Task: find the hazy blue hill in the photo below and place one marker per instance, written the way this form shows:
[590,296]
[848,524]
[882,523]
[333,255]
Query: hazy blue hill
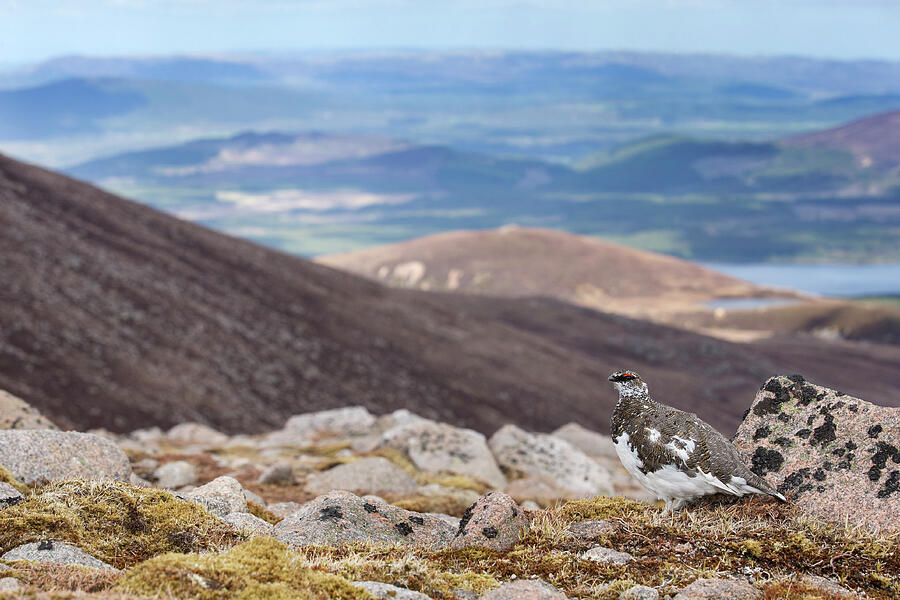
[176,68]
[62,107]
[758,91]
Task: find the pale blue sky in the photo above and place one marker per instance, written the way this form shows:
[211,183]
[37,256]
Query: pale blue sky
[32,30]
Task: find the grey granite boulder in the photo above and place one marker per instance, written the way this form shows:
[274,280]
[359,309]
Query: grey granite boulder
[494,521]
[34,456]
[386,591]
[284,509]
[375,475]
[545,455]
[607,555]
[534,589]
[225,488]
[338,422]
[175,474]
[213,505]
[249,524]
[197,433]
[9,495]
[438,447]
[60,553]
[15,413]
[595,445]
[833,455]
[719,589]
[342,517]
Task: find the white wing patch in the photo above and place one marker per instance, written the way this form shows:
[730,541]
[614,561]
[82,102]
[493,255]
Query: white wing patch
[681,447]
[653,434]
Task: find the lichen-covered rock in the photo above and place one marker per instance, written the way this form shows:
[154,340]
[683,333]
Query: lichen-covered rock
[342,517]
[339,422]
[197,433]
[278,474]
[227,488]
[15,413]
[595,445]
[833,455]
[494,521]
[375,475]
[827,586]
[639,592]
[9,585]
[249,524]
[438,447]
[539,454]
[607,555]
[534,589]
[284,509]
[33,456]
[719,589]
[175,474]
[251,496]
[386,591]
[9,496]
[59,553]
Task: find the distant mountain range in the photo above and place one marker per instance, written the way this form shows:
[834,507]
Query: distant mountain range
[116,315]
[825,196]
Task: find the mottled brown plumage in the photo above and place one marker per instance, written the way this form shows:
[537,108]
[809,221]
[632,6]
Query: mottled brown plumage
[673,453]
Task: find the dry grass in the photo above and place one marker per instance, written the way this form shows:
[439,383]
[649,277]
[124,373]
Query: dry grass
[7,477]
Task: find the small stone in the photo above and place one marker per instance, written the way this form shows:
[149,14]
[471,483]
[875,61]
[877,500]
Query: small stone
[278,474]
[639,592]
[249,524]
[530,505]
[590,529]
[534,589]
[215,506]
[9,495]
[197,433]
[9,585]
[829,586]
[176,474]
[386,591]
[719,589]
[341,517]
[227,488]
[366,476]
[284,509]
[34,456]
[607,555]
[60,553]
[461,594]
[495,521]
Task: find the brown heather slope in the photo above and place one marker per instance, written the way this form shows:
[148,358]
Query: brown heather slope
[872,140]
[113,314]
[515,261]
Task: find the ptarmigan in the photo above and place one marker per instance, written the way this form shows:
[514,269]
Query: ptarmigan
[673,453]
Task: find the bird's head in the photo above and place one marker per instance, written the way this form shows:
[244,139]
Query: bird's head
[628,383]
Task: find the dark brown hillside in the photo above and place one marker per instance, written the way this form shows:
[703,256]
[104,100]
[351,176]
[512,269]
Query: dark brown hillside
[873,140]
[113,314]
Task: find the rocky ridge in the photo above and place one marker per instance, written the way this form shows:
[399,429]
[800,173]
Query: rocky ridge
[256,518]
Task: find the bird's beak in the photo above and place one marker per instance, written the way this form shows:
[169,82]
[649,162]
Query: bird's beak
[611,378]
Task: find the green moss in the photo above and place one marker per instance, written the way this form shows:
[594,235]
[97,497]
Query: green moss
[7,477]
[604,508]
[116,522]
[259,568]
[752,547]
[258,511]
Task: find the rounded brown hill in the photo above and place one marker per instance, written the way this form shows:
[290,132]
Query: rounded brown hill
[873,140]
[514,261]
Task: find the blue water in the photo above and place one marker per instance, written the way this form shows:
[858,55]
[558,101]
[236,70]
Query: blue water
[824,280]
[748,303]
